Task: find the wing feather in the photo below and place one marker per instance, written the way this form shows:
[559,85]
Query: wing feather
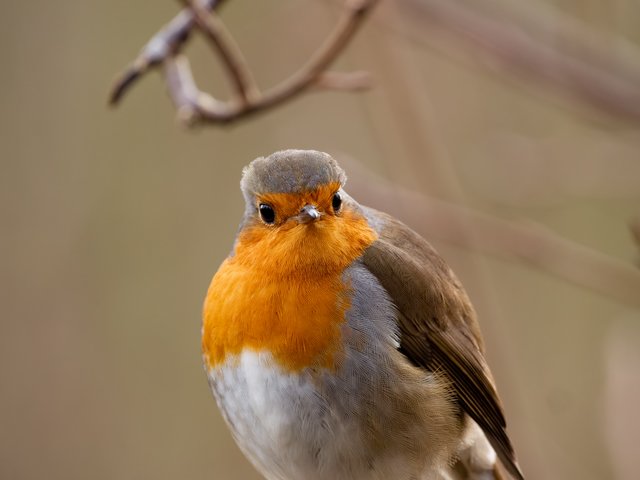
[438,326]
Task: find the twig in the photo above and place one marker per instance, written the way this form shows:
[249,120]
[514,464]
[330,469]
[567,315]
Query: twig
[185,94]
[348,24]
[218,36]
[166,42]
[196,106]
[206,108]
[528,242]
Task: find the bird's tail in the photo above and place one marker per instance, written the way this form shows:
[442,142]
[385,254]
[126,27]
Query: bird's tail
[476,459]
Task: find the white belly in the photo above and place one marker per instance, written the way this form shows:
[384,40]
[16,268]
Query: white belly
[294,426]
[277,418]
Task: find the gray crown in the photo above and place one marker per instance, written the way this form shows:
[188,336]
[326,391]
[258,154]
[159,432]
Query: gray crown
[289,171]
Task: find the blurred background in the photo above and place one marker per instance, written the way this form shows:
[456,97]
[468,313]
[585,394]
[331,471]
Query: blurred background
[517,116]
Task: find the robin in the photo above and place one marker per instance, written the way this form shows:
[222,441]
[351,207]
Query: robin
[338,343]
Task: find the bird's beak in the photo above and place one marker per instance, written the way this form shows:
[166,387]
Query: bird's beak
[309,213]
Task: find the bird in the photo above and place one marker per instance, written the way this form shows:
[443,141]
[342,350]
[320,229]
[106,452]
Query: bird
[338,343]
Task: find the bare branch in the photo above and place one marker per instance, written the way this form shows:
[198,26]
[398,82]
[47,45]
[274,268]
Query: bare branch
[168,41]
[530,243]
[216,33]
[185,94]
[351,19]
[196,106]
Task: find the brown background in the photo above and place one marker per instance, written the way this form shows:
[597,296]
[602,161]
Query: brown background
[113,223]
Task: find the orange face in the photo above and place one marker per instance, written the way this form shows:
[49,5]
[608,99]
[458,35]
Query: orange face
[282,290]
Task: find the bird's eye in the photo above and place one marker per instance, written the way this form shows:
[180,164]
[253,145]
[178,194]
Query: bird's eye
[267,213]
[336,202]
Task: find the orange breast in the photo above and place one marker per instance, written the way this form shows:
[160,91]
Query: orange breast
[282,291]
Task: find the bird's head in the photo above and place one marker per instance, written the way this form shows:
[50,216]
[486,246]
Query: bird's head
[292,187]
[296,209]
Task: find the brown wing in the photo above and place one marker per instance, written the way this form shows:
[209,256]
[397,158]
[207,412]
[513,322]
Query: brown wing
[438,327]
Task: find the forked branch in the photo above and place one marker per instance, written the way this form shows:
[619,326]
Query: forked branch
[196,106]
[169,40]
